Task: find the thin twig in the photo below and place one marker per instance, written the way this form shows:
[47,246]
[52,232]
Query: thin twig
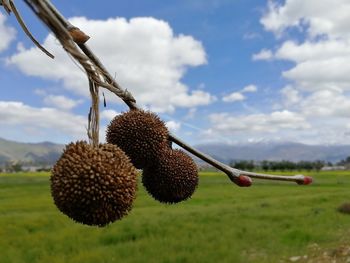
[9,6]
[94,116]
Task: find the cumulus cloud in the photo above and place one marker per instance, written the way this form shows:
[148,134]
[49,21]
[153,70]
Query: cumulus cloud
[108,115]
[330,17]
[7,33]
[238,95]
[61,102]
[264,54]
[197,97]
[320,57]
[321,60]
[227,123]
[46,123]
[234,96]
[148,58]
[290,96]
[173,126]
[315,50]
[326,103]
[250,88]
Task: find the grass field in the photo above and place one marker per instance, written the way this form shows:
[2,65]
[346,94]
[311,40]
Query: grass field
[268,222]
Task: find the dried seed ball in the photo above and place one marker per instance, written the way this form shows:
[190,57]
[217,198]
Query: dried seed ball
[139,134]
[173,177]
[93,186]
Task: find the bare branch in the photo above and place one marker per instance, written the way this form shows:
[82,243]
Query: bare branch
[7,6]
[10,6]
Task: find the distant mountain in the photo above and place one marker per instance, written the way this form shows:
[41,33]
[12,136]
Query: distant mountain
[276,151]
[45,153]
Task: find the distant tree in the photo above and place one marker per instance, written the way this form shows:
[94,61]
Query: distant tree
[17,167]
[329,164]
[287,165]
[317,165]
[265,165]
[250,165]
[244,165]
[283,165]
[344,162]
[305,165]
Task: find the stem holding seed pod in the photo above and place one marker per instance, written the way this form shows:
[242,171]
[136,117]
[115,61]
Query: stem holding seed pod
[94,115]
[97,73]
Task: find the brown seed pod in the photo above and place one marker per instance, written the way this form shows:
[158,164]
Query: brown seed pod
[139,134]
[173,177]
[93,186]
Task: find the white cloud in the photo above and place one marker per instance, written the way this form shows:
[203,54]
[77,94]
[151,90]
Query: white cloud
[321,64]
[238,96]
[226,123]
[327,74]
[264,54]
[320,80]
[290,96]
[40,92]
[250,88]
[197,97]
[234,96]
[314,106]
[7,33]
[191,114]
[148,58]
[61,102]
[173,126]
[326,103]
[315,50]
[330,17]
[108,114]
[46,123]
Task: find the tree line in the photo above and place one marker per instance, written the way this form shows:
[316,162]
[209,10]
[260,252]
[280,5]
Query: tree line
[283,165]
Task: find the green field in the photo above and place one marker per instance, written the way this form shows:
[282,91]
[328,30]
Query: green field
[268,222]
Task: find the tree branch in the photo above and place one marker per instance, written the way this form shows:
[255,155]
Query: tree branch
[99,75]
[9,7]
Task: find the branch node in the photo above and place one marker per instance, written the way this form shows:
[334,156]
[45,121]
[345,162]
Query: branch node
[306,180]
[244,181]
[77,35]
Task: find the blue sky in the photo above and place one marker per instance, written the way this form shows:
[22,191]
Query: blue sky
[215,70]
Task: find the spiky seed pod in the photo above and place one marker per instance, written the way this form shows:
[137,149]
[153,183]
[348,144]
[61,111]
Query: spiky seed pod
[173,177]
[139,134]
[93,186]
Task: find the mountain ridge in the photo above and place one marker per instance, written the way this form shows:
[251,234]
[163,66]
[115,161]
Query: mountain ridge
[47,153]
[44,153]
[276,151]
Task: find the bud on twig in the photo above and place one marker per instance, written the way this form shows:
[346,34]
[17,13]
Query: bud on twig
[78,36]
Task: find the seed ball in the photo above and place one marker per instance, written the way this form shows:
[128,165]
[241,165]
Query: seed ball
[93,186]
[173,178]
[139,134]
